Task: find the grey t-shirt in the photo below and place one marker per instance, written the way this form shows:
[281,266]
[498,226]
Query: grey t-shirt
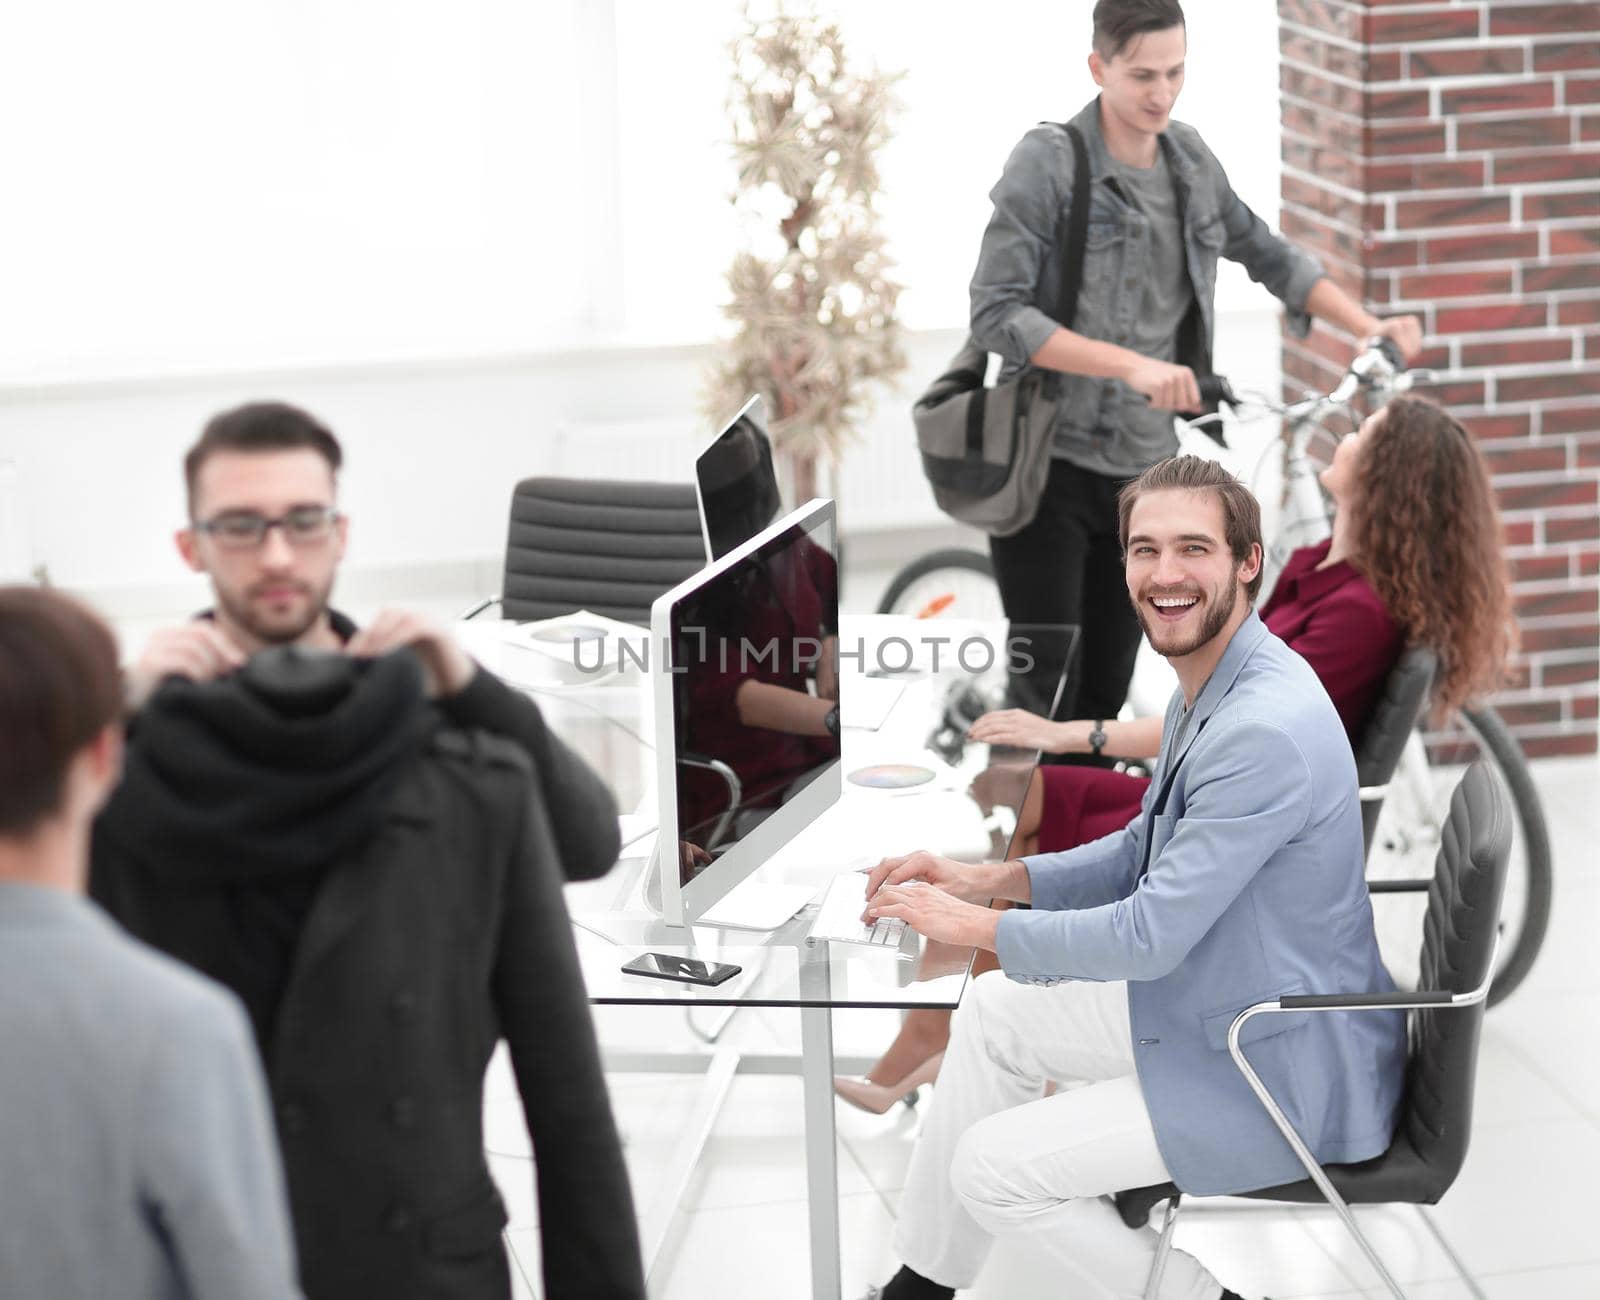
[1144,435]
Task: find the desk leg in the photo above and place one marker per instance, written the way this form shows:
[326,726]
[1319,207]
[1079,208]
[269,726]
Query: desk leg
[822,1150]
[656,1211]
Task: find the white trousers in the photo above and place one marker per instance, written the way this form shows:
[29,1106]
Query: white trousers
[997,1158]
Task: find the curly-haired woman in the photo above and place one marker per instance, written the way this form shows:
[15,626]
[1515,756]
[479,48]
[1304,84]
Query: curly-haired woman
[1415,558]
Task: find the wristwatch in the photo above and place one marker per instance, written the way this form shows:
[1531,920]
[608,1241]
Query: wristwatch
[1097,737]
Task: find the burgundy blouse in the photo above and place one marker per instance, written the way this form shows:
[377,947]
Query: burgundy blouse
[1333,619]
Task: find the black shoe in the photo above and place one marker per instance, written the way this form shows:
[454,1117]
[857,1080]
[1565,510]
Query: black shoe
[909,1285]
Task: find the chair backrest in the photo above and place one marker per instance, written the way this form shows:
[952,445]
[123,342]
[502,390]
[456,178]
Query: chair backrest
[1458,940]
[599,544]
[1383,740]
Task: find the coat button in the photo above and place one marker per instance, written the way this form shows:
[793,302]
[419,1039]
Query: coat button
[291,1119]
[403,1113]
[403,1005]
[398,1218]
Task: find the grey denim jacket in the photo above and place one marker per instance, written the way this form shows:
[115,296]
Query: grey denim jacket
[1017,281]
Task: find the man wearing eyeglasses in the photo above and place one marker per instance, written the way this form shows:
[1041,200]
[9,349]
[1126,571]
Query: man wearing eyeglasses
[334,839]
[265,527]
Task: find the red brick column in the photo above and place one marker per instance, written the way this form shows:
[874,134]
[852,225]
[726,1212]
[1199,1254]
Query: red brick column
[1444,159]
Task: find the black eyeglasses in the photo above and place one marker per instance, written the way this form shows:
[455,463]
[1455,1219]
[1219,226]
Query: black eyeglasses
[244,530]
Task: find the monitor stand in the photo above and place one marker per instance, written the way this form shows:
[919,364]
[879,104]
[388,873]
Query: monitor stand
[749,905]
[757,905]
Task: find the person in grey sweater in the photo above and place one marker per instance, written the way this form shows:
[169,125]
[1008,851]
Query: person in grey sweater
[137,1156]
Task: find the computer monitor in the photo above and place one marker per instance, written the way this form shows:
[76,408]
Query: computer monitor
[747,755]
[735,482]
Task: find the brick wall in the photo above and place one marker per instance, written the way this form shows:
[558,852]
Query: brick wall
[1444,159]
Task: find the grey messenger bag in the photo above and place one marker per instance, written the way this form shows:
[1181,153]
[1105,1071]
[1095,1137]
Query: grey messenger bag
[986,451]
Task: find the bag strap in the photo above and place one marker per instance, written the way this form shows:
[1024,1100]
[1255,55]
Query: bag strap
[1076,234]
[1070,244]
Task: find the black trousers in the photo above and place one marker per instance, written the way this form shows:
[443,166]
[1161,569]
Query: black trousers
[1066,567]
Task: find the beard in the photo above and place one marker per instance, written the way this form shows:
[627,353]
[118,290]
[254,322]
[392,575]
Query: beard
[242,609]
[1172,644]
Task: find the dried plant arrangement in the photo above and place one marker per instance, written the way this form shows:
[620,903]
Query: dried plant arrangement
[810,296]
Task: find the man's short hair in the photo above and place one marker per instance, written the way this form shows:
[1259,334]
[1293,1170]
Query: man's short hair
[1241,512]
[260,427]
[1117,22]
[59,689]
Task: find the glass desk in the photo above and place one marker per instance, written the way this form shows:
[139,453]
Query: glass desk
[945,672]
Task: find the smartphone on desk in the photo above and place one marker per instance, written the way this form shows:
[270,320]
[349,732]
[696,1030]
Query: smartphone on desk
[688,970]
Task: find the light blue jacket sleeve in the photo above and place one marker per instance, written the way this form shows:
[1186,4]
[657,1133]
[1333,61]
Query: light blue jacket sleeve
[1249,798]
[1101,871]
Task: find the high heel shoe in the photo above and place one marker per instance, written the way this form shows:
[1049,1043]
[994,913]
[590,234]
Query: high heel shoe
[877,1098]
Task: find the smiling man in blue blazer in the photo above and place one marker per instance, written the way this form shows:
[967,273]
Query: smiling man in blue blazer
[1241,880]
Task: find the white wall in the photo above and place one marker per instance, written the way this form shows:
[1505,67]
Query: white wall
[455,231]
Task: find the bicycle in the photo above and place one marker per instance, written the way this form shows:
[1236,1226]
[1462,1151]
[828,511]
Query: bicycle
[960,582]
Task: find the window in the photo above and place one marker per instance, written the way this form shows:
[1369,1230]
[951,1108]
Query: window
[199,184]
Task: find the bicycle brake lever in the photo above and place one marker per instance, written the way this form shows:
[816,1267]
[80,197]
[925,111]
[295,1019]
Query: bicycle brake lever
[1391,352]
[1215,390]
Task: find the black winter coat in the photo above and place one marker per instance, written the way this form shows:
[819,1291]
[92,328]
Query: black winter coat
[412,954]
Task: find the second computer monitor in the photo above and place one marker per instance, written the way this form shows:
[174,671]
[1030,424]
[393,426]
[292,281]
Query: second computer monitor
[736,483]
[746,694]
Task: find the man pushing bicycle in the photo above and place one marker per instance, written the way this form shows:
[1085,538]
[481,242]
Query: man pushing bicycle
[1161,212]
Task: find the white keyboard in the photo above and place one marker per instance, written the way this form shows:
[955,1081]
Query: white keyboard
[838,919]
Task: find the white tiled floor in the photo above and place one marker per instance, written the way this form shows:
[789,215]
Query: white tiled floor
[1518,1215]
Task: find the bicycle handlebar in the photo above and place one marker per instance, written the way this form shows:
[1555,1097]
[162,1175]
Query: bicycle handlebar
[1391,353]
[1215,390]
[1381,362]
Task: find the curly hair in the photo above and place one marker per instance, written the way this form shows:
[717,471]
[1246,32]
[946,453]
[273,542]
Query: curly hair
[1427,537]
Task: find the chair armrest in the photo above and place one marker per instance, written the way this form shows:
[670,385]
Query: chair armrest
[478,608]
[730,778]
[1397,1000]
[1362,1001]
[1337,1002]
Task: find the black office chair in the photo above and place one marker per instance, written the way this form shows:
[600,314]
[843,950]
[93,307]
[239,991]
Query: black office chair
[1383,741]
[1430,1140]
[604,545]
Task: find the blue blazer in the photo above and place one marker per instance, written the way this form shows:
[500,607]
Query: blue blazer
[1255,889]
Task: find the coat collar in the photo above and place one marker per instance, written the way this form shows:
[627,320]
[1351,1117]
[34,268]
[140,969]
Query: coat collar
[35,906]
[1102,166]
[1249,634]
[1246,638]
[346,895]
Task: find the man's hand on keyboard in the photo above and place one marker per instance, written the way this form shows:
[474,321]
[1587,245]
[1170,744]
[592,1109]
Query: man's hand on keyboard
[959,879]
[930,911]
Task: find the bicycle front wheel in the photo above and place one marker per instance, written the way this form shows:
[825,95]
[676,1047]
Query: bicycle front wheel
[1407,839]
